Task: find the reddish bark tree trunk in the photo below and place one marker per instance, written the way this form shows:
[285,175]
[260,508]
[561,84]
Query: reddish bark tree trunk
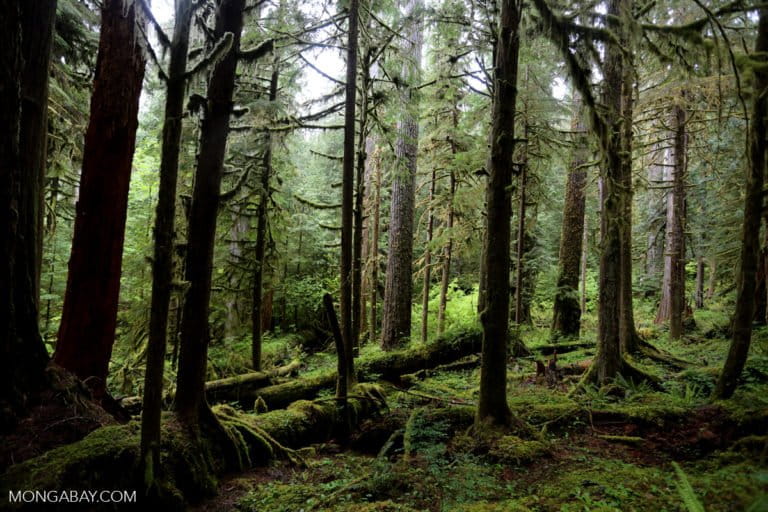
[89,317]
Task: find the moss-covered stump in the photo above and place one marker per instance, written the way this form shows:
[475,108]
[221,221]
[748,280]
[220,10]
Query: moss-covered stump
[108,457]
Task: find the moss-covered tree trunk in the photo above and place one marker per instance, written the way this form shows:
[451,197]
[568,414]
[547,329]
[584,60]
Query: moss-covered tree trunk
[672,305]
[89,316]
[753,209]
[162,264]
[398,290]
[347,191]
[566,318]
[257,322]
[492,404]
[608,361]
[190,402]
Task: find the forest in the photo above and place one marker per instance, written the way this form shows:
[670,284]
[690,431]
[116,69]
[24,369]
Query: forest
[379,256]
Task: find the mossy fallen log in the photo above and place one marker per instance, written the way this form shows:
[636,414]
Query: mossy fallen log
[561,348]
[108,457]
[388,366]
[228,389]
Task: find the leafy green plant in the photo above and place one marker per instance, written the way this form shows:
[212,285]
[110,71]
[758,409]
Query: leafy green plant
[684,487]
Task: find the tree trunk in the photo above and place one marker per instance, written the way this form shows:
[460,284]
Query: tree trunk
[447,254]
[629,339]
[27,32]
[492,404]
[750,245]
[608,361]
[358,302]
[347,202]
[712,278]
[672,304]
[427,262]
[700,282]
[376,162]
[398,291]
[257,323]
[162,264]
[38,20]
[89,317]
[583,278]
[566,319]
[190,402]
[520,253]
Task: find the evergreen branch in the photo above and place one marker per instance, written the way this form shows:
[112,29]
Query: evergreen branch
[318,206]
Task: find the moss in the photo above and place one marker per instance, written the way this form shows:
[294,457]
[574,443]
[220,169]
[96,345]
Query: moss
[512,449]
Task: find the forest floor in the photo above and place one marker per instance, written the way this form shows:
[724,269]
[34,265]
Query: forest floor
[627,447]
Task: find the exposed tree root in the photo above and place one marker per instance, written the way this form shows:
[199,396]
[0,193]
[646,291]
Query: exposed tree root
[651,352]
[627,371]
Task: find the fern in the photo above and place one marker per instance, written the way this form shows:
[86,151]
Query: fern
[692,503]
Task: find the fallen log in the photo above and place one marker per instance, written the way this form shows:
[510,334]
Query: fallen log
[387,366]
[108,458]
[562,348]
[228,389]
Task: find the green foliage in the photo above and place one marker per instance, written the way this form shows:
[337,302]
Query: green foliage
[684,487]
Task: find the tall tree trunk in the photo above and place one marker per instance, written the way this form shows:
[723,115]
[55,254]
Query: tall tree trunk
[358,307]
[190,402]
[566,319]
[608,361]
[520,253]
[447,253]
[25,48]
[583,277]
[630,340]
[162,264]
[398,292]
[753,207]
[38,20]
[712,278]
[376,162]
[261,235]
[492,404]
[427,262]
[700,282]
[672,305]
[347,201]
[89,317]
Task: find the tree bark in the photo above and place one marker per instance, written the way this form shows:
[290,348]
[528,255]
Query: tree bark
[492,404]
[190,403]
[38,19]
[376,162]
[445,278]
[566,318]
[427,262]
[347,191]
[753,207]
[521,234]
[257,323]
[89,316]
[630,340]
[398,291]
[672,304]
[162,264]
[700,282]
[26,32]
